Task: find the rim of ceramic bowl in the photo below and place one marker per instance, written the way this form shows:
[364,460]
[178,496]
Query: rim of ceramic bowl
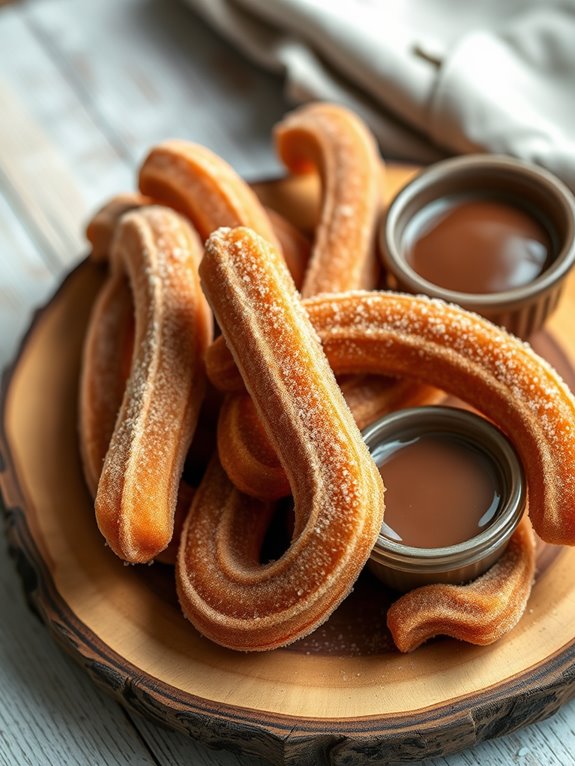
[498,168]
[483,435]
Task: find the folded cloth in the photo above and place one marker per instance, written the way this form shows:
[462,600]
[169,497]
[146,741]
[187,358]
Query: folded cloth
[431,77]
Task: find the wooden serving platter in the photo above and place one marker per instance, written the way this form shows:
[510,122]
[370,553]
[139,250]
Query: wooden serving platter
[343,695]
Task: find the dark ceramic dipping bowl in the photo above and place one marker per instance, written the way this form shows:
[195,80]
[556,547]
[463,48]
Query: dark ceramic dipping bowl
[524,309]
[403,567]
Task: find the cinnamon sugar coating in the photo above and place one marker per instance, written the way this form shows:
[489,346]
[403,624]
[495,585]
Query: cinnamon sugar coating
[465,355]
[101,227]
[335,142]
[136,497]
[106,362]
[248,456]
[197,183]
[338,492]
[109,342]
[480,612]
[294,246]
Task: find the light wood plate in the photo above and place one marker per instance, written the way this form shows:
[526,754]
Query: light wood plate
[342,695]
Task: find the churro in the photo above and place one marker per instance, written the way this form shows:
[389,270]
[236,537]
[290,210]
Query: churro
[338,492]
[465,355]
[480,612]
[137,489]
[334,141]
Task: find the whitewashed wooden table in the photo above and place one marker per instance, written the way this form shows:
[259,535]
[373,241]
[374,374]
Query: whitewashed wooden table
[86,86]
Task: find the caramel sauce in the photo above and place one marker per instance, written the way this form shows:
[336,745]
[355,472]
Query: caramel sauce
[440,490]
[473,245]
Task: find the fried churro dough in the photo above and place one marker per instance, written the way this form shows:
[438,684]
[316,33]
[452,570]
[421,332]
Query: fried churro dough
[252,463]
[101,227]
[295,247]
[392,394]
[197,183]
[109,342]
[480,612]
[223,589]
[465,355]
[106,362]
[331,139]
[137,489]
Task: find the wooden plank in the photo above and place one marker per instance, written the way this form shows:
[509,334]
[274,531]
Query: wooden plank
[93,167]
[25,280]
[38,183]
[171,76]
[50,711]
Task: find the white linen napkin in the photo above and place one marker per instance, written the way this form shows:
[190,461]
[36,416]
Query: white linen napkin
[431,77]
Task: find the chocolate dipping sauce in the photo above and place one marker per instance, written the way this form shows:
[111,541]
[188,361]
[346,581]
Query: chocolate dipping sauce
[477,245]
[440,491]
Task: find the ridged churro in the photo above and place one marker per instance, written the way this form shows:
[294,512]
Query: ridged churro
[480,612]
[465,355]
[137,490]
[338,492]
[332,140]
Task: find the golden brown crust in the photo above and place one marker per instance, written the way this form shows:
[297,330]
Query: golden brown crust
[108,347]
[251,462]
[136,496]
[246,453]
[338,493]
[461,353]
[334,141]
[370,397]
[105,367]
[100,229]
[197,183]
[294,246]
[480,612]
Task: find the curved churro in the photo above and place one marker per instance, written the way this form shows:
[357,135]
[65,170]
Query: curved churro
[246,453]
[469,357]
[343,257]
[294,246]
[110,332]
[251,462]
[223,589]
[105,369]
[101,227]
[197,183]
[136,496]
[479,612]
[370,397]
[333,140]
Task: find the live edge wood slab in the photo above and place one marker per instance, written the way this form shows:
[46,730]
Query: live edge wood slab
[341,696]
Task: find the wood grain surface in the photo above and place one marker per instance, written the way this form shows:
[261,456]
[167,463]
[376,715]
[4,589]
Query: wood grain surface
[85,88]
[343,693]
